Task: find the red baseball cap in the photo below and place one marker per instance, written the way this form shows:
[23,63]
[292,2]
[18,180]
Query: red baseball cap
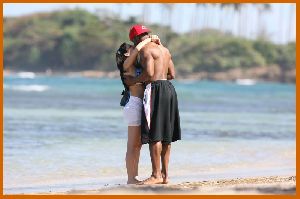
[137,30]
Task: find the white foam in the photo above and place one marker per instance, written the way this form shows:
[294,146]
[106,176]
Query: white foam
[27,75]
[27,88]
[245,82]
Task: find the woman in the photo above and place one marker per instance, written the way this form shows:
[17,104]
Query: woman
[126,61]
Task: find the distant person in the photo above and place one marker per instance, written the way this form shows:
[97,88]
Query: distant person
[132,100]
[160,122]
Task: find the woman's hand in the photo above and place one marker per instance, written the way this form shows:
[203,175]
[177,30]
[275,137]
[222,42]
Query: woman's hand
[155,39]
[142,44]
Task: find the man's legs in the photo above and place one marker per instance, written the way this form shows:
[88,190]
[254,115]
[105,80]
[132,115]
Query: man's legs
[165,156]
[155,154]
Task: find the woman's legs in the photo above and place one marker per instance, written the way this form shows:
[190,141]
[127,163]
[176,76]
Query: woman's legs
[133,153]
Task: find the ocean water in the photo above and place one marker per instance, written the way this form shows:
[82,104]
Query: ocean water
[63,133]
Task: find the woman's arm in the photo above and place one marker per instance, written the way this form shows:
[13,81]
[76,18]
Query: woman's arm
[133,54]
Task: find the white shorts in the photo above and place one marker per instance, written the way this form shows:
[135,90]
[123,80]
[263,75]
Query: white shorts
[133,111]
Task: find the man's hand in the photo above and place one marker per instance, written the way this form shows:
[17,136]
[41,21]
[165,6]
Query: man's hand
[129,80]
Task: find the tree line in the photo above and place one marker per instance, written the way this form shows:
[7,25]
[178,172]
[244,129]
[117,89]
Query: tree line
[76,40]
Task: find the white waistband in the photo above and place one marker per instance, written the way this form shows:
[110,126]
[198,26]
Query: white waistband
[136,99]
[156,80]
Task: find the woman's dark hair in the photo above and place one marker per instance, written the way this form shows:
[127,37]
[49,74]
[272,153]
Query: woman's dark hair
[120,58]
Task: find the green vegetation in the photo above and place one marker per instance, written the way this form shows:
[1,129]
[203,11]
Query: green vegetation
[75,40]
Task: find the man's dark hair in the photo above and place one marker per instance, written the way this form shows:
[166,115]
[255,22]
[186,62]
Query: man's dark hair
[143,34]
[138,37]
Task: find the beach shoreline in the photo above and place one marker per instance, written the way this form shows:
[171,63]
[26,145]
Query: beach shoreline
[252,186]
[263,74]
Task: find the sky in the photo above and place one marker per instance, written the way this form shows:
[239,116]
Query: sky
[279,23]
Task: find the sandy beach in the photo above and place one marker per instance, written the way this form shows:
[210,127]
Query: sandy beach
[259,185]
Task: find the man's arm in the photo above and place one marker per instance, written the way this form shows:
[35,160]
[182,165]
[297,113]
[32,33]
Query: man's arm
[133,54]
[171,71]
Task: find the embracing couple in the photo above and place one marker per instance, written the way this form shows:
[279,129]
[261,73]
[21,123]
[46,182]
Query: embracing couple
[151,107]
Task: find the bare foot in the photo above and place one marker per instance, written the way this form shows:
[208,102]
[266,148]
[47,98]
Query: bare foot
[133,181]
[165,178]
[152,180]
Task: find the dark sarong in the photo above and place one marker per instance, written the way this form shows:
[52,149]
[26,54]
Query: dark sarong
[161,107]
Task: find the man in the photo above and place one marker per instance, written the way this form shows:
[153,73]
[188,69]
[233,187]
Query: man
[160,116]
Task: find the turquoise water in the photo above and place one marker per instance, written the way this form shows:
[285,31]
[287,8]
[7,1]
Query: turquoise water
[63,133]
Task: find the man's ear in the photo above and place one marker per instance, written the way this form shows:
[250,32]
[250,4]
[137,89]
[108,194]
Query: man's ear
[135,39]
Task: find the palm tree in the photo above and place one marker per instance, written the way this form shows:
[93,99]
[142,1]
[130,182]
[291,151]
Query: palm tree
[229,12]
[193,20]
[236,7]
[205,17]
[290,30]
[221,17]
[144,15]
[120,10]
[169,7]
[261,9]
[281,33]
[197,22]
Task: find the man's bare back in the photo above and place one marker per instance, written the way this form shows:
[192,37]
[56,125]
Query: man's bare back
[156,57]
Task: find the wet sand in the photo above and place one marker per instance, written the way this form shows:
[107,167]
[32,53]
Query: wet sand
[258,185]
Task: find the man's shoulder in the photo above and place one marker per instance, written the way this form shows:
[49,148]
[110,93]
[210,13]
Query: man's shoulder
[149,48]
